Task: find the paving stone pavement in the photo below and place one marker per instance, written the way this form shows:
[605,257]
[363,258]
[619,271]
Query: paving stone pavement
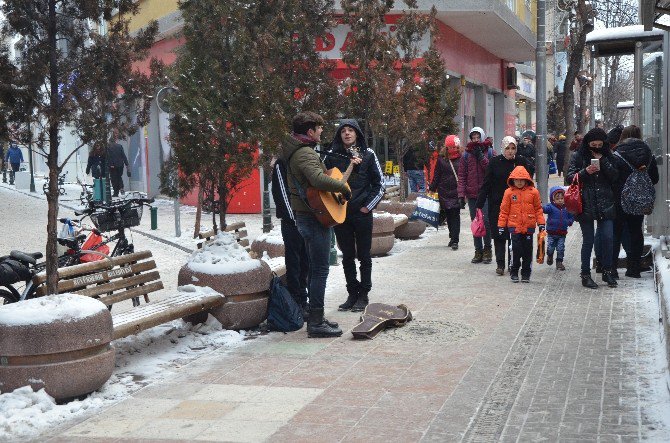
[484,360]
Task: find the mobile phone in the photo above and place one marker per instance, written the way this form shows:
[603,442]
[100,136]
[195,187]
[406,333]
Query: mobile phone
[595,162]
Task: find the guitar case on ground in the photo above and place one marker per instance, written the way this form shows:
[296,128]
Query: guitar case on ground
[379,316]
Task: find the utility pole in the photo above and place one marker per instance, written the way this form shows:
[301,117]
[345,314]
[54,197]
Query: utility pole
[541,168]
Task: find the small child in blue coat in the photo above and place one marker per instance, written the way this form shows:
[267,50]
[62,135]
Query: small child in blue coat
[558,220]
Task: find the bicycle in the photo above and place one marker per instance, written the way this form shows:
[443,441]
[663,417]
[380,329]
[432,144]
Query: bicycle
[61,184]
[11,293]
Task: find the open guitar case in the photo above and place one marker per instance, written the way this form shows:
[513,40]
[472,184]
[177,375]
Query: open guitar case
[379,316]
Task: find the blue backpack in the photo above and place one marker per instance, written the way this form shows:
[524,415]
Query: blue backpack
[284,314]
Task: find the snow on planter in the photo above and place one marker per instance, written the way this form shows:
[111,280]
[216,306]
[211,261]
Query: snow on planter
[226,267]
[271,242]
[59,342]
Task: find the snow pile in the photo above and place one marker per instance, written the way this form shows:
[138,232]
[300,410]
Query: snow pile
[223,255]
[275,262]
[273,237]
[63,307]
[142,359]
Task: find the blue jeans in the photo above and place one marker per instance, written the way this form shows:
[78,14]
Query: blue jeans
[417,181]
[317,243]
[486,243]
[557,243]
[606,234]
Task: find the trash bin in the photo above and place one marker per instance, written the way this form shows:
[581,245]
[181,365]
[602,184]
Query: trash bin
[154,218]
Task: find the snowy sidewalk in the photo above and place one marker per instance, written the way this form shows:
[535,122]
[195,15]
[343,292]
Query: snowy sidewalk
[484,360]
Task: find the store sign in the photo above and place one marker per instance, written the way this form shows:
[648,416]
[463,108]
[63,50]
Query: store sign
[388,168]
[340,38]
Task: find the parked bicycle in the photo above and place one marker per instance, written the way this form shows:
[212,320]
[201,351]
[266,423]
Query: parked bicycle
[16,272]
[61,184]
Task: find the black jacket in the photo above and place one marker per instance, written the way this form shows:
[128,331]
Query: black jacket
[96,165]
[367,179]
[409,161]
[116,156]
[495,181]
[280,191]
[638,154]
[598,189]
[528,151]
[559,149]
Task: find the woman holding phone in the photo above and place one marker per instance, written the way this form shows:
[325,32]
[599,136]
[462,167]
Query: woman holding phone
[594,164]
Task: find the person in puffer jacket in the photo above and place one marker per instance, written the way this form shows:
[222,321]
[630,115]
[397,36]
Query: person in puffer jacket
[471,172]
[520,212]
[558,220]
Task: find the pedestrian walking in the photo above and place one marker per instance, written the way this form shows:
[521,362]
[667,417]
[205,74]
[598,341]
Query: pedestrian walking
[632,154]
[558,221]
[305,169]
[576,141]
[559,149]
[471,171]
[95,166]
[526,148]
[597,174]
[492,191]
[445,182]
[117,159]
[613,136]
[354,236]
[13,156]
[520,213]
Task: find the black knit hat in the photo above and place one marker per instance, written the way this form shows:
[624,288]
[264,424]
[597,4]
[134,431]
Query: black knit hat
[593,135]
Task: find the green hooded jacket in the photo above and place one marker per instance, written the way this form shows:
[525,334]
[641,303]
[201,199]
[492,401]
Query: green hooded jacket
[306,168]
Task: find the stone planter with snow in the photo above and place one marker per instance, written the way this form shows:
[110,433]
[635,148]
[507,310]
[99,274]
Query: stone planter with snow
[410,230]
[226,267]
[59,342]
[271,242]
[382,233]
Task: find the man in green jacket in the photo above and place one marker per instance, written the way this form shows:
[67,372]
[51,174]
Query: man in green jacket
[306,170]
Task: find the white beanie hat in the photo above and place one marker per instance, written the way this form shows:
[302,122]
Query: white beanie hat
[507,140]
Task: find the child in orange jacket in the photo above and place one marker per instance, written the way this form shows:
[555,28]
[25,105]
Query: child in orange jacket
[520,211]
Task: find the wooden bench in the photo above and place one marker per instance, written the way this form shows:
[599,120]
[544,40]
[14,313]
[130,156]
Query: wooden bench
[130,277]
[238,230]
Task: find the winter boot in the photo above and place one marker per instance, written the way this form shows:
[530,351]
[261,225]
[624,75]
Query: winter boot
[454,246]
[305,310]
[633,269]
[479,256]
[588,282]
[607,278]
[487,256]
[361,303]
[559,265]
[615,273]
[351,301]
[451,242]
[550,259]
[318,328]
[500,270]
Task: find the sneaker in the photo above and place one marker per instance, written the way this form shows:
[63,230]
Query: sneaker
[550,259]
[525,279]
[454,246]
[514,277]
[500,271]
[559,265]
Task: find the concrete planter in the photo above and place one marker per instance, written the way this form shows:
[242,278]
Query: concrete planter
[247,294]
[414,228]
[68,357]
[273,249]
[382,234]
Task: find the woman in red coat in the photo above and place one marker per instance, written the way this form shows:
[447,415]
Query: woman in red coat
[445,182]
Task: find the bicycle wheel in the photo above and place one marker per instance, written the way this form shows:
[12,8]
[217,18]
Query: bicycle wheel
[6,297]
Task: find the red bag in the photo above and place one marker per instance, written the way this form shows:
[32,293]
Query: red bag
[573,197]
[478,226]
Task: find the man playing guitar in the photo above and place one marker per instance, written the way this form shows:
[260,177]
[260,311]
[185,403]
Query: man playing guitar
[305,170]
[354,236]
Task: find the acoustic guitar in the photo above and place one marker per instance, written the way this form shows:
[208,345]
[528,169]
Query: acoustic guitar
[330,208]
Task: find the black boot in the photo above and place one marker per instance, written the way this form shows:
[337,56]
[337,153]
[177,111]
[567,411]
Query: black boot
[615,273]
[588,282]
[351,301]
[633,269]
[305,310]
[607,278]
[361,303]
[599,267]
[318,328]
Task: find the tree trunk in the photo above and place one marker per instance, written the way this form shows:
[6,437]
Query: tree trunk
[212,208]
[583,92]
[198,213]
[223,206]
[52,157]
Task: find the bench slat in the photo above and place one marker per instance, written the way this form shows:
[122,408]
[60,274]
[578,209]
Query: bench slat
[207,234]
[235,226]
[131,293]
[154,314]
[80,281]
[85,268]
[120,284]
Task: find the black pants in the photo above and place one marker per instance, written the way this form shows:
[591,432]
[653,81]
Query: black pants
[354,237]
[500,242]
[116,176]
[15,169]
[633,224]
[453,217]
[295,257]
[522,254]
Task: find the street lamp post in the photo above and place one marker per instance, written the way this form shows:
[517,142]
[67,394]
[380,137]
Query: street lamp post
[30,158]
[541,167]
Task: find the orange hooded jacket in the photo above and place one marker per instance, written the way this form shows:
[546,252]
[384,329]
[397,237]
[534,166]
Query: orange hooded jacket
[521,209]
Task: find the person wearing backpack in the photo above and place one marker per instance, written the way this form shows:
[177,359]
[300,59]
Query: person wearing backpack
[638,173]
[594,164]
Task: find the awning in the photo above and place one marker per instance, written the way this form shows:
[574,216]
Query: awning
[655,14]
[620,41]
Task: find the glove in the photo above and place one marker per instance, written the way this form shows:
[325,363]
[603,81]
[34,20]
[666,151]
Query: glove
[541,228]
[478,153]
[461,202]
[128,173]
[501,231]
[347,194]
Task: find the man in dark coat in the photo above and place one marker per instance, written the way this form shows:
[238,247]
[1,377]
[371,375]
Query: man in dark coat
[493,189]
[354,236]
[594,164]
[559,149]
[116,157]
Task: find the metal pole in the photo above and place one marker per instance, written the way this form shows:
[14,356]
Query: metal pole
[637,86]
[541,167]
[30,158]
[177,219]
[592,104]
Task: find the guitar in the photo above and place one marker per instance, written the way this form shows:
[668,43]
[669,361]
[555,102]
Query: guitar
[330,208]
